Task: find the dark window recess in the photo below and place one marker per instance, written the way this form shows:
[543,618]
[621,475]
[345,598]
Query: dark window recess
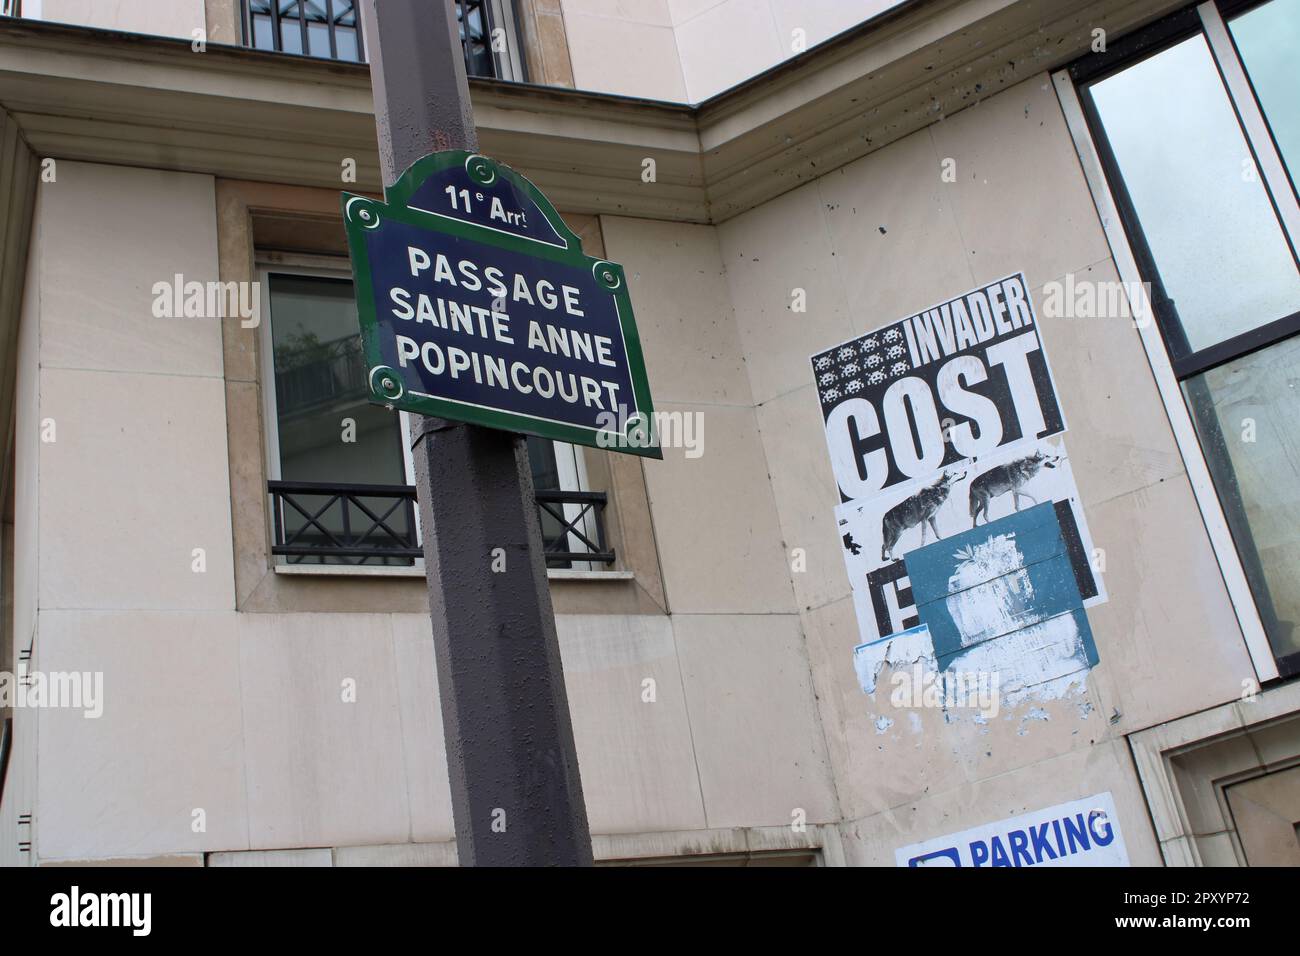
[331,29]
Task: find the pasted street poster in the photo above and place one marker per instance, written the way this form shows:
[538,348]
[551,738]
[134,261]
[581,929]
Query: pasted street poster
[958,508]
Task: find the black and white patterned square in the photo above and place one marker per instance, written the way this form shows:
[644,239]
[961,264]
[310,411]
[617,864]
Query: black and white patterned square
[873,360]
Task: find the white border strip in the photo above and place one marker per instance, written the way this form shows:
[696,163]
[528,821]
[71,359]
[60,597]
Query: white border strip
[1207,499]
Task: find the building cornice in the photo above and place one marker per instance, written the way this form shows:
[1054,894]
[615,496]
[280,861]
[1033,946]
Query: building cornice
[103,96]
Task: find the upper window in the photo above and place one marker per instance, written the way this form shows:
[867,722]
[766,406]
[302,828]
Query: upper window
[1197,122]
[332,29]
[323,28]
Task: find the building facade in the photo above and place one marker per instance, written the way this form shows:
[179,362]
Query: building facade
[207,523]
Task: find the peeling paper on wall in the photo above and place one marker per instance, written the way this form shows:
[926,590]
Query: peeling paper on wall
[898,651]
[1042,662]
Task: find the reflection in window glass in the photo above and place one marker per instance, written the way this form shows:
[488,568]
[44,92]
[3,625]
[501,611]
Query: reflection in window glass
[541,455]
[318,40]
[1247,414]
[320,386]
[290,36]
[1268,38]
[263,33]
[1206,217]
[346,40]
[474,38]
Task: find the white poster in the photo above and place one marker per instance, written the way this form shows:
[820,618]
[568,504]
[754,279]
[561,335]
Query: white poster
[1082,833]
[940,425]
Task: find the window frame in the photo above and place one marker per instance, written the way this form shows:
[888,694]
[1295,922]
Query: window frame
[308,267]
[323,267]
[1136,264]
[1204,19]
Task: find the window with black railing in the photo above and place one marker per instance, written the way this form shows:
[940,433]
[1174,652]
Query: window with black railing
[341,489]
[331,29]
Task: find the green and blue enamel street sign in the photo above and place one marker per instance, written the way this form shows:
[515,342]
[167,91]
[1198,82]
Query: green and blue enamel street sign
[478,305]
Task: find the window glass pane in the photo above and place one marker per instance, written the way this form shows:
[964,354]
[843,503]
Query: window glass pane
[346,39]
[345,13]
[320,387]
[1268,38]
[318,39]
[541,455]
[1247,414]
[263,33]
[290,36]
[1216,241]
[474,39]
[290,28]
[546,477]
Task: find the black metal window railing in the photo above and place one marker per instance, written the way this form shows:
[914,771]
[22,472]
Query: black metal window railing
[580,535]
[343,523]
[332,29]
[326,523]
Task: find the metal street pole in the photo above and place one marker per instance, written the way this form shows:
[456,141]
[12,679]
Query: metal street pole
[515,790]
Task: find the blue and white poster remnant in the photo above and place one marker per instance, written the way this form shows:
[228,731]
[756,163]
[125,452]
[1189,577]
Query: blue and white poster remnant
[1082,833]
[959,517]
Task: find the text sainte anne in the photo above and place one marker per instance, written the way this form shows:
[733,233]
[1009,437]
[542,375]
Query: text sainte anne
[549,338]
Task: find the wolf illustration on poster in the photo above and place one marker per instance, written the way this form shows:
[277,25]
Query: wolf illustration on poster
[919,509]
[1011,477]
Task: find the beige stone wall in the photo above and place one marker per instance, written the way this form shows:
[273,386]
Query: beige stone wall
[724,42]
[624,47]
[20,786]
[690,50]
[223,21]
[173,18]
[545,42]
[127,491]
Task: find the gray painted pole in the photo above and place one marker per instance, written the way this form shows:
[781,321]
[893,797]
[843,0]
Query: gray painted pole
[515,791]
